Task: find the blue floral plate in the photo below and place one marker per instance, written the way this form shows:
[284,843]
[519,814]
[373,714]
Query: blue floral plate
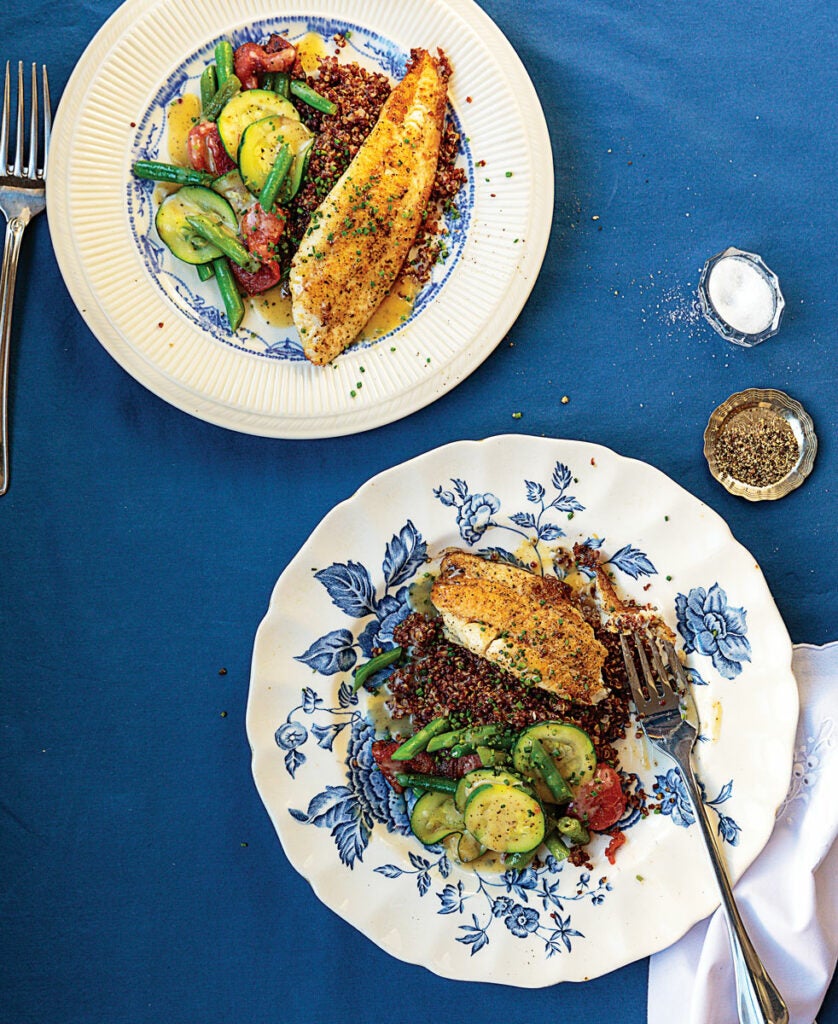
[347,832]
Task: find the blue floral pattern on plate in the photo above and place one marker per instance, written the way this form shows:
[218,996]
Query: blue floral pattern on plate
[198,302]
[711,626]
[351,811]
[519,499]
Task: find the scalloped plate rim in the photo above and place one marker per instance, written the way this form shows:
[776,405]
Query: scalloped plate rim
[540,976]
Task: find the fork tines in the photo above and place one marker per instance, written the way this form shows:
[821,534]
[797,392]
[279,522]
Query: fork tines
[662,679]
[17,168]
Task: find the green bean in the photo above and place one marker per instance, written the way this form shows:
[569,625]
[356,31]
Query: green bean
[224,239]
[504,741]
[426,783]
[275,178]
[370,667]
[154,170]
[471,735]
[554,844]
[303,91]
[229,292]
[297,172]
[277,81]
[445,740]
[546,766]
[222,97]
[281,84]
[490,757]
[205,271]
[573,829]
[209,85]
[224,61]
[461,749]
[419,741]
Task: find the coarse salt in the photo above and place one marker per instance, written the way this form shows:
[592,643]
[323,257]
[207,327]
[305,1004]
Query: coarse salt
[741,295]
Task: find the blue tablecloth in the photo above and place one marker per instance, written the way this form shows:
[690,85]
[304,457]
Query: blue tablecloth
[141,879]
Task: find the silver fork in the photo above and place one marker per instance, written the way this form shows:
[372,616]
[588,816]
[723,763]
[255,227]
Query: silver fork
[22,197]
[659,712]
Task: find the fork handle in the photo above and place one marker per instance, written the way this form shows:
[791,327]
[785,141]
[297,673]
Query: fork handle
[8,275]
[759,1001]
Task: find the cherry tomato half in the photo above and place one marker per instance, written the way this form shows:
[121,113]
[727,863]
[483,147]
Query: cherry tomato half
[261,231]
[205,150]
[600,802]
[260,281]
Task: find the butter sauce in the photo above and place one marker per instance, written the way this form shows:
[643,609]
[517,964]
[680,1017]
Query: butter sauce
[274,306]
[395,309]
[181,116]
[310,49]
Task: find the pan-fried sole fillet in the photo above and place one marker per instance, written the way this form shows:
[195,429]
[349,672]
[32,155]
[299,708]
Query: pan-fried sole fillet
[361,233]
[529,625]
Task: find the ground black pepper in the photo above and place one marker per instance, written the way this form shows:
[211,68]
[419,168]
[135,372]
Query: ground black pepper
[756,448]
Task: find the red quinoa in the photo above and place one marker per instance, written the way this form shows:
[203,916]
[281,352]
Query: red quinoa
[441,678]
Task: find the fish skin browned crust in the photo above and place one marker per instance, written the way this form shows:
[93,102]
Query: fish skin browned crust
[527,624]
[363,230]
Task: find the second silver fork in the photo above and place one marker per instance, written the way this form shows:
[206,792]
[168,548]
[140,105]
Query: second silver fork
[659,712]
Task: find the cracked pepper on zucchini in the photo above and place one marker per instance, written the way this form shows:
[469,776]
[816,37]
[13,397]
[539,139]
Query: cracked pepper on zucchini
[334,183]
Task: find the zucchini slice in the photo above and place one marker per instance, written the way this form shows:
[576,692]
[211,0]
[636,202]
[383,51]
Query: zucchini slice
[176,232]
[569,746]
[231,186]
[260,143]
[434,817]
[294,178]
[479,777]
[506,819]
[468,848]
[245,108]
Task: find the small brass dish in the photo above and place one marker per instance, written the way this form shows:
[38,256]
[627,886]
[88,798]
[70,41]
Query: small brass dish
[760,444]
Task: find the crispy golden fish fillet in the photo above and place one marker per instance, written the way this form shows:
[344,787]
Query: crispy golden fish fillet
[529,625]
[361,233]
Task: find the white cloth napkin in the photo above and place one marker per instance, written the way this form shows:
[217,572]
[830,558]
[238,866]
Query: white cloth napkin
[788,897]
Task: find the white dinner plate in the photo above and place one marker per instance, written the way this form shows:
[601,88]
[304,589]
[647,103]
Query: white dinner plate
[345,830]
[167,329]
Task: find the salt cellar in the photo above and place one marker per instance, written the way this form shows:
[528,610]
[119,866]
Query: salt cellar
[740,297]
